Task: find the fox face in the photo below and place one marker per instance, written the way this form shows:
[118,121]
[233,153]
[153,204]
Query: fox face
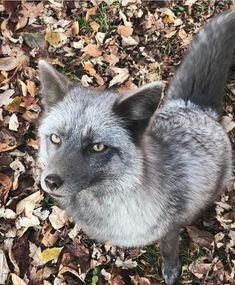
[84,145]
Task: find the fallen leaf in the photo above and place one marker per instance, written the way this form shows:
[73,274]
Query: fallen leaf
[129,41]
[90,12]
[125,31]
[6,184]
[33,143]
[35,40]
[99,80]
[49,254]
[100,38]
[30,201]
[4,268]
[8,63]
[5,97]
[7,142]
[55,38]
[86,80]
[15,106]
[199,268]
[7,213]
[95,26]
[16,280]
[13,123]
[58,218]
[92,50]
[200,237]
[121,75]
[35,254]
[227,123]
[88,67]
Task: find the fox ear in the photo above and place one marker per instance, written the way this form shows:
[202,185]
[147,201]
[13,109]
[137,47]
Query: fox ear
[54,84]
[142,103]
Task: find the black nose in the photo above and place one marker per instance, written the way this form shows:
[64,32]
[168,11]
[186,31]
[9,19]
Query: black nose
[53,181]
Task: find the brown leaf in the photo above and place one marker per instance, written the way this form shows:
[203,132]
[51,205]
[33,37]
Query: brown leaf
[16,280]
[5,97]
[88,67]
[33,143]
[90,12]
[4,268]
[117,280]
[92,50]
[200,237]
[7,142]
[8,63]
[35,40]
[199,268]
[31,87]
[111,59]
[55,38]
[99,80]
[14,106]
[11,6]
[95,26]
[6,184]
[125,31]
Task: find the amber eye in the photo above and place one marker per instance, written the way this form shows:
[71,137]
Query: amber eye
[98,147]
[55,139]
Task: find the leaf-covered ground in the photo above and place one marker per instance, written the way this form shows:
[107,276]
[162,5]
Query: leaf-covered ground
[103,44]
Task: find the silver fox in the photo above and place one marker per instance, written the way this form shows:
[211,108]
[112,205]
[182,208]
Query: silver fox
[130,173]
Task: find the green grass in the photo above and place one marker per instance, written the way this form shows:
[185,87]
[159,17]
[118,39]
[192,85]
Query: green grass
[84,27]
[149,261]
[103,18]
[70,74]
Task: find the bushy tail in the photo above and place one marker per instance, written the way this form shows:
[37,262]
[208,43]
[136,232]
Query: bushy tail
[202,75]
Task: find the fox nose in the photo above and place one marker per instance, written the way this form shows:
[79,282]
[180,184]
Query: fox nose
[53,181]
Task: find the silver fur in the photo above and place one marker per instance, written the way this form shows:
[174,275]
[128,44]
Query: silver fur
[162,167]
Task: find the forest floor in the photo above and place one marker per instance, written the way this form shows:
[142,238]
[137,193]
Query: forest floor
[103,44]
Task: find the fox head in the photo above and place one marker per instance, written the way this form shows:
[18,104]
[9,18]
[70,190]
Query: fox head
[90,141]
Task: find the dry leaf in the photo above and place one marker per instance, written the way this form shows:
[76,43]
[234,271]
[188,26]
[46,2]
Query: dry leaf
[50,253]
[8,63]
[4,268]
[125,31]
[7,214]
[95,26]
[88,67]
[13,123]
[228,123]
[121,75]
[5,97]
[16,280]
[28,204]
[58,218]
[129,41]
[100,38]
[199,268]
[200,237]
[55,38]
[6,184]
[26,222]
[35,254]
[92,50]
[86,80]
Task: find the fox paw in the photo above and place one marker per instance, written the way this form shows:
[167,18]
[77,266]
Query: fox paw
[171,273]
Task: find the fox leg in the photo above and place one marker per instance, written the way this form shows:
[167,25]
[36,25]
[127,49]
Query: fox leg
[169,247]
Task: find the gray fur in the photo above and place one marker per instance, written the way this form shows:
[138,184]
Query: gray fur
[162,166]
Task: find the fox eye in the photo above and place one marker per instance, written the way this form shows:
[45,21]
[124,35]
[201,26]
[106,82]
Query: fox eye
[98,147]
[55,139]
